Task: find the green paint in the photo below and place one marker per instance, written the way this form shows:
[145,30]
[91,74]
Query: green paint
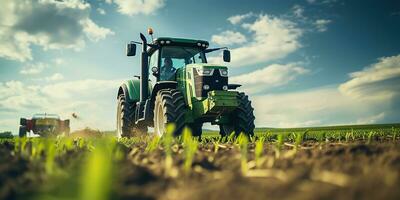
[133,87]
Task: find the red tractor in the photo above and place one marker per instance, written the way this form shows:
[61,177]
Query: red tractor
[44,125]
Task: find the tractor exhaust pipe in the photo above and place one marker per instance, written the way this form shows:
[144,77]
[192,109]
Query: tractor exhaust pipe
[144,73]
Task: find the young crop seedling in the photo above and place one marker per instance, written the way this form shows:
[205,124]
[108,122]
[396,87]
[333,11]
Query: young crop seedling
[299,140]
[167,140]
[370,137]
[190,148]
[258,151]
[279,144]
[242,141]
[97,176]
[216,146]
[153,144]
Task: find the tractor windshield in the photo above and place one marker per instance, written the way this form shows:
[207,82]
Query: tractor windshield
[175,57]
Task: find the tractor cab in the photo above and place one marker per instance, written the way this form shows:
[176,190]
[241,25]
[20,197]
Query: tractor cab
[167,59]
[186,91]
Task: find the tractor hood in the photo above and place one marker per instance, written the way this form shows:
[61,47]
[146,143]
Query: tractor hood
[208,77]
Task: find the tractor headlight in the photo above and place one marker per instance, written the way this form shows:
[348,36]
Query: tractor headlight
[205,72]
[223,72]
[225,87]
[206,87]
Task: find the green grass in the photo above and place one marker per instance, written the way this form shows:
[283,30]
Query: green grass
[342,133]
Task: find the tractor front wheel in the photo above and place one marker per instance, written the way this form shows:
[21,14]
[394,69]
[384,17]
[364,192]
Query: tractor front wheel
[242,119]
[126,126]
[169,108]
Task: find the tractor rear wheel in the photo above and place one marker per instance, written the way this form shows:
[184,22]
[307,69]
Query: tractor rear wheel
[242,119]
[22,131]
[126,126]
[169,107]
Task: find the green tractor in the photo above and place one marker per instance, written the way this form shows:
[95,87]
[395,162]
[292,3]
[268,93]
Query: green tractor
[43,125]
[186,91]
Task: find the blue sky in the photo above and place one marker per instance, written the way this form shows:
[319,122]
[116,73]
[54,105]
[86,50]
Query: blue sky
[303,63]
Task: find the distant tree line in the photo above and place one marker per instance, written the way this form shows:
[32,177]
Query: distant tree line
[6,134]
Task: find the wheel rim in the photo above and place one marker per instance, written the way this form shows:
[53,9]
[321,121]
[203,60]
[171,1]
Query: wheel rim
[119,121]
[159,129]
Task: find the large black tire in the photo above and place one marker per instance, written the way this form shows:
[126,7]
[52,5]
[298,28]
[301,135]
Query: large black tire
[196,128]
[126,126]
[169,107]
[22,131]
[241,119]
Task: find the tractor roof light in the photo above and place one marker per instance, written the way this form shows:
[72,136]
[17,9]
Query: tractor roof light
[162,42]
[150,31]
[199,44]
[168,42]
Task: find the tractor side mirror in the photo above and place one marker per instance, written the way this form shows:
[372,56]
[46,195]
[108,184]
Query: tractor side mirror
[130,49]
[226,55]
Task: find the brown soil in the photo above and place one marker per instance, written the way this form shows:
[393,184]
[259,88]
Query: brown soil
[86,133]
[334,171]
[328,171]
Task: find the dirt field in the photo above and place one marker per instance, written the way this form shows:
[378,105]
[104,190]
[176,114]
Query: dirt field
[135,169]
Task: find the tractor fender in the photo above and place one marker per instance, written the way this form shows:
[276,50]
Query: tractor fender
[162,85]
[131,89]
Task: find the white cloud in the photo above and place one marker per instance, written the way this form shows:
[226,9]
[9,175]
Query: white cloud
[371,119]
[59,61]
[133,7]
[55,77]
[33,68]
[273,38]
[298,11]
[380,80]
[95,32]
[91,99]
[274,75]
[236,19]
[81,88]
[372,95]
[322,24]
[228,38]
[17,96]
[326,2]
[101,11]
[48,24]
[320,106]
